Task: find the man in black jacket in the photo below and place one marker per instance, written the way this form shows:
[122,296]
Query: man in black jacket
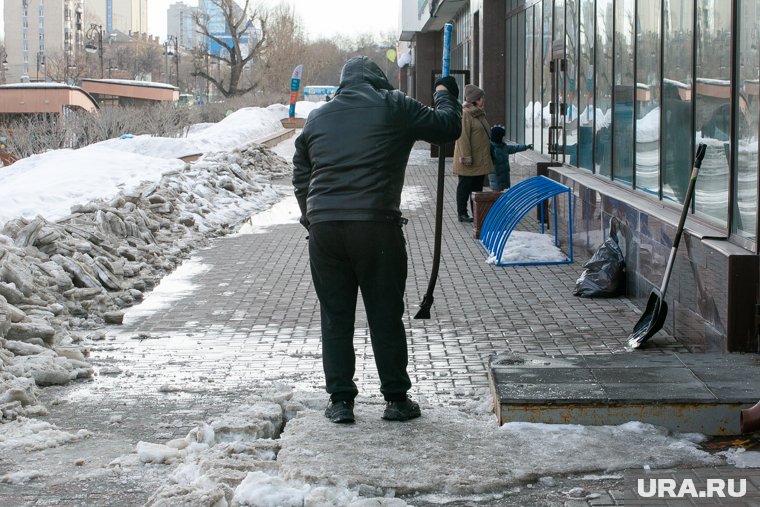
[349,170]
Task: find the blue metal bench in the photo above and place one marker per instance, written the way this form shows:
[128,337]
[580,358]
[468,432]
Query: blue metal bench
[513,205]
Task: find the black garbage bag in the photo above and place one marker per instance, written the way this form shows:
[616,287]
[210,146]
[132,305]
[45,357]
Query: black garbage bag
[604,275]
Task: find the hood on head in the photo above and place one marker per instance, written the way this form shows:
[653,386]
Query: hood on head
[361,69]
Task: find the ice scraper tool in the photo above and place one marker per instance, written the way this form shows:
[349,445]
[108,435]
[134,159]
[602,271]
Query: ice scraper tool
[427,301]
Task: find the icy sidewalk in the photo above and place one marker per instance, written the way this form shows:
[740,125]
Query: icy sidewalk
[444,456]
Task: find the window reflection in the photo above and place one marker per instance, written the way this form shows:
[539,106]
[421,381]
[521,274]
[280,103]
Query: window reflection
[536,108]
[676,99]
[546,51]
[624,93]
[713,107]
[529,76]
[586,85]
[648,97]
[746,115]
[571,81]
[604,35]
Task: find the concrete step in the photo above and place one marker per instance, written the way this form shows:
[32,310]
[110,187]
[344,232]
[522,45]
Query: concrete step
[682,392]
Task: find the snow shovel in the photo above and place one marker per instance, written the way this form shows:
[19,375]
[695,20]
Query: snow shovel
[427,301]
[657,309]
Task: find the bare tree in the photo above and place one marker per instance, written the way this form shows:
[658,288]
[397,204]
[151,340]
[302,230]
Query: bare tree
[285,49]
[238,23]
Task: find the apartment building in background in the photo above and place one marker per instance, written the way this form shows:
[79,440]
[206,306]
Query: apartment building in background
[180,24]
[126,16]
[35,29]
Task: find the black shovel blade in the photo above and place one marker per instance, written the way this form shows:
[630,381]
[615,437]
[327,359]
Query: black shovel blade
[650,322]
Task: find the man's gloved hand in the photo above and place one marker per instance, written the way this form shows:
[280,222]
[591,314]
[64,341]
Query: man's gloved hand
[450,83]
[304,221]
[530,146]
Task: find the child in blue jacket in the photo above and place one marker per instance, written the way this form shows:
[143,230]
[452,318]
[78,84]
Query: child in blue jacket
[500,152]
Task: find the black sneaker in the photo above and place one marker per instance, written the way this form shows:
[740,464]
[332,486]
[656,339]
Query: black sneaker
[465,218]
[401,410]
[340,411]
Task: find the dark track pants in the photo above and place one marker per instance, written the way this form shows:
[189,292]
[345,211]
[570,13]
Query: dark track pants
[467,185]
[371,256]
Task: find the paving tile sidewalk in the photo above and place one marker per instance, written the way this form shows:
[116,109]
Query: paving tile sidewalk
[253,317]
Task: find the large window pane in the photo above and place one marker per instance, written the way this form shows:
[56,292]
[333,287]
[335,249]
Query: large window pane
[546,52]
[625,85]
[676,99]
[648,20]
[512,76]
[585,85]
[537,109]
[529,76]
[713,107]
[747,115]
[508,83]
[516,113]
[571,80]
[604,37]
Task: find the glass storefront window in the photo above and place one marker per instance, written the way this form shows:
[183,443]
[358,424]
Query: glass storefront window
[571,81]
[648,19]
[676,143]
[604,37]
[537,108]
[747,116]
[521,85]
[546,55]
[529,75]
[623,93]
[512,78]
[713,107]
[585,85]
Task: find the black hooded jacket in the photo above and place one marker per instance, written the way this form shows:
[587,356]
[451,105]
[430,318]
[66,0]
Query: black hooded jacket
[351,157]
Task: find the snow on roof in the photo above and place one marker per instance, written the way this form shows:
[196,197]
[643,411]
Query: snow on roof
[41,85]
[132,82]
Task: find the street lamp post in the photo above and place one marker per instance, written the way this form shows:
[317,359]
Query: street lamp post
[95,31]
[171,44]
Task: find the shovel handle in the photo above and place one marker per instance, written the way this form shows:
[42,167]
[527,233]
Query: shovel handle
[701,150]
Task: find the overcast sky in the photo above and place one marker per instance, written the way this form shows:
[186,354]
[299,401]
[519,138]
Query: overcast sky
[334,17]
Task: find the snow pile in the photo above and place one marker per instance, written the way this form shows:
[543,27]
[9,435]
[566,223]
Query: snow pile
[528,247]
[50,183]
[60,280]
[33,435]
[159,147]
[303,108]
[238,129]
[742,458]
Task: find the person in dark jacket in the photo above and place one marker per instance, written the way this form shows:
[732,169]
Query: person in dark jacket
[500,151]
[349,169]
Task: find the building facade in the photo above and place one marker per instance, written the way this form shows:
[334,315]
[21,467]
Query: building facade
[126,16]
[217,26]
[616,95]
[180,24]
[35,29]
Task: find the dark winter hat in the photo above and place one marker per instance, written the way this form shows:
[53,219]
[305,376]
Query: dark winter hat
[497,134]
[472,93]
